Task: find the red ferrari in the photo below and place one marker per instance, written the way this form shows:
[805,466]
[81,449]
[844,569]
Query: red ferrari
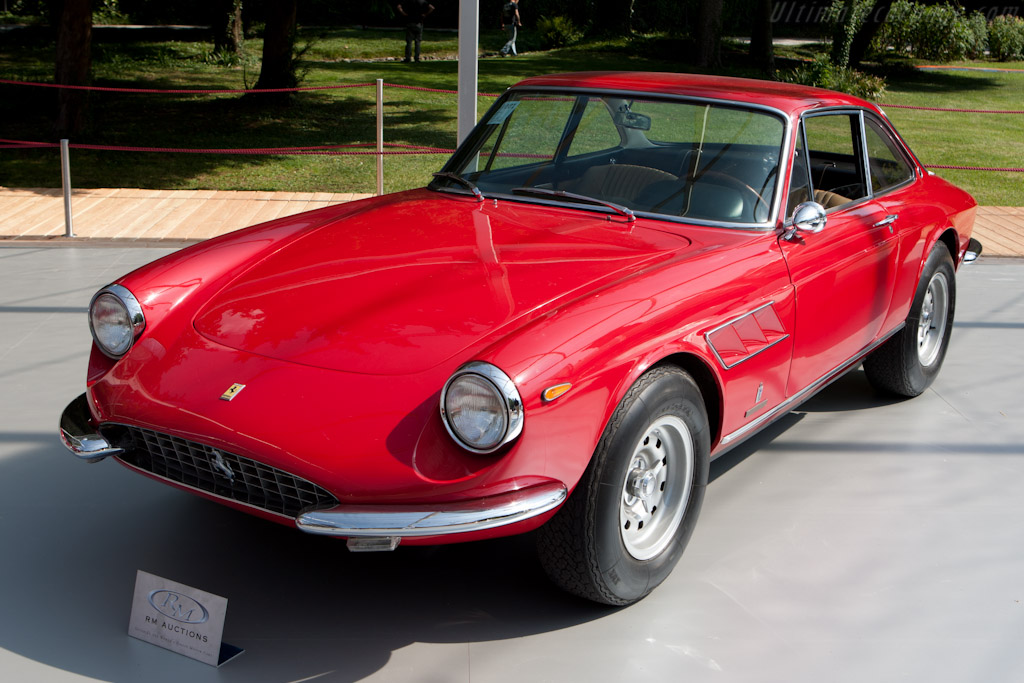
[615,279]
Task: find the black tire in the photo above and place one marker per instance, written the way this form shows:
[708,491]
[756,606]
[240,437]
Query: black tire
[910,361]
[596,546]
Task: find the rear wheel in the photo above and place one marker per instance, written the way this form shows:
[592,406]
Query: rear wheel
[909,362]
[626,524]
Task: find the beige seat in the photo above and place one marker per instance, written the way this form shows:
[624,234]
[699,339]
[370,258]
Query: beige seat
[829,199]
[620,183]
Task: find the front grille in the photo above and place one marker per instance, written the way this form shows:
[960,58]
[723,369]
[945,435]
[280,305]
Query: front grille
[218,472]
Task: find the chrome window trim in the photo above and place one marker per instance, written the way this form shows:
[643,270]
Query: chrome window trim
[862,113]
[784,154]
[903,152]
[513,403]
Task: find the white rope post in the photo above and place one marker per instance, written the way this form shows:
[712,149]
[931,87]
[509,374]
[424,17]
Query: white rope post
[380,136]
[65,179]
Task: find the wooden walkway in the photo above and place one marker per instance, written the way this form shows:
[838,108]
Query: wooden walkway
[148,217]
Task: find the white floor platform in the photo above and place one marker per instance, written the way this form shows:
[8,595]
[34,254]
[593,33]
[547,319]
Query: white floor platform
[859,540]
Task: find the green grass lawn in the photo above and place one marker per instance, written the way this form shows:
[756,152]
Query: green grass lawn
[962,139]
[346,116]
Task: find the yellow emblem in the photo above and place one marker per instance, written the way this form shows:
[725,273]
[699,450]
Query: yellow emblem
[232,392]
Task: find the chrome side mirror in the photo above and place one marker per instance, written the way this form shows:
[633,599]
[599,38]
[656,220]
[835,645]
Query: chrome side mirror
[808,217]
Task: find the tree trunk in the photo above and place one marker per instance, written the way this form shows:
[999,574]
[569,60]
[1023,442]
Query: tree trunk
[709,33]
[278,69]
[227,27]
[613,17]
[73,64]
[761,48]
[868,31]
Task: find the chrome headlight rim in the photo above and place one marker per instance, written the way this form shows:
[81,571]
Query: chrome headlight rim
[133,309]
[505,390]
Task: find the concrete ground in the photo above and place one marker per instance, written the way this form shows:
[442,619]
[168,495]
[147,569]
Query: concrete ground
[859,539]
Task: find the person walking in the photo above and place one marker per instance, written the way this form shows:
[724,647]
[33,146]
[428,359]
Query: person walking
[510,23]
[414,11]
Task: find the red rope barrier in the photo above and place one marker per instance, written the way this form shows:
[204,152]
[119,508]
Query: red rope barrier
[187,91]
[358,148]
[212,91]
[957,111]
[977,168]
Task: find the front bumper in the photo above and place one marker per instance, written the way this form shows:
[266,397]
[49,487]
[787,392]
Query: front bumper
[79,436]
[376,525]
[411,521]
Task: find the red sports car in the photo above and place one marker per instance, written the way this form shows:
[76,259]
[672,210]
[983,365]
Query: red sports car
[615,279]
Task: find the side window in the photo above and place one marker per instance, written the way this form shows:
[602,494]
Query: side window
[799,182]
[885,160]
[596,132]
[833,143]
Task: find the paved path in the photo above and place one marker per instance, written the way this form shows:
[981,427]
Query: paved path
[175,216]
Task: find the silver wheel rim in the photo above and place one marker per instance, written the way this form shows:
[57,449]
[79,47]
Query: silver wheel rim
[657,488]
[931,328]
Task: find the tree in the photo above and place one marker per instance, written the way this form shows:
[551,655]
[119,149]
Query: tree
[868,31]
[846,17]
[761,48]
[613,17]
[279,60]
[73,64]
[227,27]
[709,33]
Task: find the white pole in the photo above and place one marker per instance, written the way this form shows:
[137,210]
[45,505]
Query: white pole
[65,180]
[380,136]
[469,39]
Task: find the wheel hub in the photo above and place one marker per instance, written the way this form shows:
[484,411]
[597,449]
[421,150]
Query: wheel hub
[931,328]
[656,488]
[643,484]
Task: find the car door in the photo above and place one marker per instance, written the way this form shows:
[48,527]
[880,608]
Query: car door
[843,275]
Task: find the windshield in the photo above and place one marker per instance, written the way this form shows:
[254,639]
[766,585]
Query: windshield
[695,160]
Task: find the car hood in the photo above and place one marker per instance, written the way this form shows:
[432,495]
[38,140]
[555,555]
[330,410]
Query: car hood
[406,286]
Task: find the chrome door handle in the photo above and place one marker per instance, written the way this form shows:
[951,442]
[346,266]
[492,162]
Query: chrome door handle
[888,220]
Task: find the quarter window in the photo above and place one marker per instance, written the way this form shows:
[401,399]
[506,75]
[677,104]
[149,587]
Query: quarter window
[885,160]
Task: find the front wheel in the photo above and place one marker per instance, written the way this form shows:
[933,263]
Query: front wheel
[626,524]
[909,362]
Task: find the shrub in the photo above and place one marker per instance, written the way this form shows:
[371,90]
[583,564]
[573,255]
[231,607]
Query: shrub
[823,73]
[978,29]
[1006,38]
[941,32]
[558,31]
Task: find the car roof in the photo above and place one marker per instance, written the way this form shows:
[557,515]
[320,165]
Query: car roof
[787,97]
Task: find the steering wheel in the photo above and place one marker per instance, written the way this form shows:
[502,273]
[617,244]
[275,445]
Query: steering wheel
[738,184]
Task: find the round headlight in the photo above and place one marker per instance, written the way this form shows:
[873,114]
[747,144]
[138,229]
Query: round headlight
[115,319]
[481,408]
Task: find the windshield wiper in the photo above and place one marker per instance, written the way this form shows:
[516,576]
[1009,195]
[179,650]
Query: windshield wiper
[469,184]
[573,197]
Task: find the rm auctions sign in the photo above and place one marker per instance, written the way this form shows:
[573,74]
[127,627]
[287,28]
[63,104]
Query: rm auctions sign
[180,618]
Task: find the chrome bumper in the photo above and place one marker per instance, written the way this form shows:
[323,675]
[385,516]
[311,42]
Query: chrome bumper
[394,522]
[79,436]
[973,251]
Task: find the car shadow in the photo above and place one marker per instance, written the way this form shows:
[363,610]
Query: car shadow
[301,605]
